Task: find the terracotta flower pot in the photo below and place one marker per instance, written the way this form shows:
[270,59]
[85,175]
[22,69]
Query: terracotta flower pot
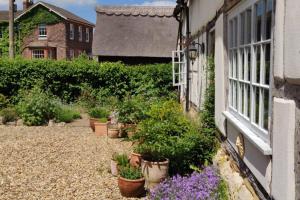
[113,132]
[155,172]
[131,188]
[114,167]
[92,123]
[130,134]
[135,159]
[100,129]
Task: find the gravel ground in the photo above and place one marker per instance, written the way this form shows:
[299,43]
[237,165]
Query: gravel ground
[57,163]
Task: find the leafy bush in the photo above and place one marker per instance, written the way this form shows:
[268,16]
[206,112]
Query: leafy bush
[200,186]
[67,79]
[130,173]
[8,115]
[132,110]
[36,107]
[99,113]
[121,159]
[66,114]
[3,101]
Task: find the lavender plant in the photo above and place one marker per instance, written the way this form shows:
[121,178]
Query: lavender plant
[197,186]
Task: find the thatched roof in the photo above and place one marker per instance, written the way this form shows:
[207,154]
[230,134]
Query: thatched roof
[135,31]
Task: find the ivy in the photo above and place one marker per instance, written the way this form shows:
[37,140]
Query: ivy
[25,26]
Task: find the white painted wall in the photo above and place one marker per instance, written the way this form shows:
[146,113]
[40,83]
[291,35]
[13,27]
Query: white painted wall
[220,97]
[202,11]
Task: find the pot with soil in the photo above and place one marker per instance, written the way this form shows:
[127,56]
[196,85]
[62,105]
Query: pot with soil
[101,127]
[113,131]
[154,171]
[96,114]
[131,182]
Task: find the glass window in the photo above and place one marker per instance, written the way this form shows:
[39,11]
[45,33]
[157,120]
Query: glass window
[87,35]
[38,53]
[72,53]
[80,33]
[42,31]
[250,64]
[72,31]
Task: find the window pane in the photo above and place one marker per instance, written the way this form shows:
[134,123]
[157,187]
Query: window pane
[259,14]
[242,64]
[236,69]
[249,25]
[247,101]
[266,110]
[234,95]
[242,40]
[231,64]
[269,18]
[230,34]
[242,95]
[256,119]
[267,64]
[257,66]
[248,51]
[235,29]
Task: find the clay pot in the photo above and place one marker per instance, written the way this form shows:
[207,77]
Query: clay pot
[135,159]
[131,188]
[92,123]
[113,132]
[155,172]
[100,129]
[114,167]
[130,134]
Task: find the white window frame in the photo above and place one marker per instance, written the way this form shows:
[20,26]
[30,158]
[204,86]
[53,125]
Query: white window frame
[87,35]
[80,33]
[72,34]
[72,54]
[38,54]
[42,31]
[237,107]
[178,68]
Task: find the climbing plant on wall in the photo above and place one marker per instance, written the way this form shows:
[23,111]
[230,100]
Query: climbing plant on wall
[26,25]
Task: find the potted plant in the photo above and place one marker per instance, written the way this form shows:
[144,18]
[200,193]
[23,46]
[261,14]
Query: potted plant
[118,160]
[96,114]
[113,131]
[101,127]
[135,158]
[130,130]
[155,167]
[131,182]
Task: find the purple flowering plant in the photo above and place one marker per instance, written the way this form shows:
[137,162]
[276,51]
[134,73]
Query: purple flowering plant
[197,186]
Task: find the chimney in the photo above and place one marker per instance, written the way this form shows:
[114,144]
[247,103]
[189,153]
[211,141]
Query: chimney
[27,4]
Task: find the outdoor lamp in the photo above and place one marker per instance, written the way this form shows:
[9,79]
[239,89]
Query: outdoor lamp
[194,51]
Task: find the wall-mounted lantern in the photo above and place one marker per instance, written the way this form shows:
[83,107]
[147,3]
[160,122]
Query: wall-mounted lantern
[194,51]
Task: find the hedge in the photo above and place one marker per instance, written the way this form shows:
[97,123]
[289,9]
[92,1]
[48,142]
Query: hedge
[66,79]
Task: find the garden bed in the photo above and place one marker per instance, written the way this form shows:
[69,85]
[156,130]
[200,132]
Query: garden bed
[57,163]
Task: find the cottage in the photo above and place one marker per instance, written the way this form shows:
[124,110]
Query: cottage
[56,32]
[135,34]
[255,48]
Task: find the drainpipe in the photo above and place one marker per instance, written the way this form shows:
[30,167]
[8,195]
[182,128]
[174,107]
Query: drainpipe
[187,98]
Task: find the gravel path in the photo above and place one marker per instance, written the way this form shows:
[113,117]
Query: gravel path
[57,163]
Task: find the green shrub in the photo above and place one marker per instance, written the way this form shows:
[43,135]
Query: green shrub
[130,173]
[66,114]
[132,110]
[99,113]
[36,107]
[121,159]
[8,115]
[66,79]
[3,101]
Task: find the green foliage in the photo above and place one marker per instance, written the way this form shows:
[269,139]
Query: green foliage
[8,115]
[121,159]
[99,113]
[222,192]
[132,110]
[66,114]
[130,173]
[36,107]
[167,133]
[89,80]
[3,101]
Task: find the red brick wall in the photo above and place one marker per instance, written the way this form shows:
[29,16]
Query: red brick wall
[76,45]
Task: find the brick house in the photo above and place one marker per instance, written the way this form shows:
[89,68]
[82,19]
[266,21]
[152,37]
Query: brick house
[255,48]
[66,39]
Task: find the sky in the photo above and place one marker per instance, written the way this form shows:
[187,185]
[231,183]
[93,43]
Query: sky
[86,8]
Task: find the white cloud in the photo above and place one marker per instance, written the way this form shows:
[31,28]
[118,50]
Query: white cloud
[159,3]
[4,3]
